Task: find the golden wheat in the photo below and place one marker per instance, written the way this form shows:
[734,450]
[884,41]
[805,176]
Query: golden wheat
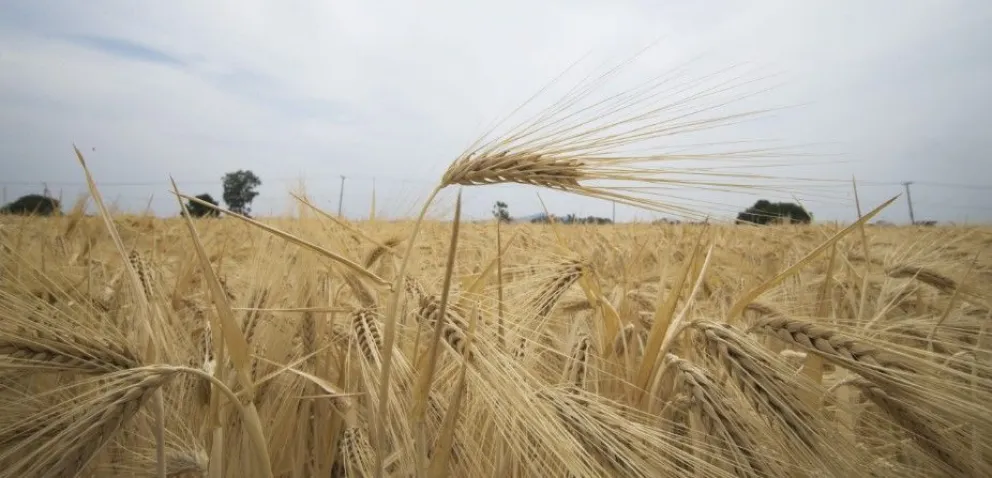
[278,349]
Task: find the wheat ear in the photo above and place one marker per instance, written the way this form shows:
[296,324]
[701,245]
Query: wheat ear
[355,451]
[756,378]
[524,168]
[927,276]
[454,328]
[568,273]
[186,464]
[145,274]
[944,284]
[368,336]
[86,430]
[928,438]
[718,418]
[69,353]
[380,250]
[578,363]
[829,344]
[359,290]
[611,449]
[774,392]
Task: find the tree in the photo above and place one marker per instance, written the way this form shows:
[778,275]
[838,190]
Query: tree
[541,218]
[33,204]
[767,212]
[598,220]
[239,190]
[501,211]
[571,218]
[199,210]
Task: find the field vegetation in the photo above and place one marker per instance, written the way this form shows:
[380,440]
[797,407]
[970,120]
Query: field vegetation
[309,345]
[617,350]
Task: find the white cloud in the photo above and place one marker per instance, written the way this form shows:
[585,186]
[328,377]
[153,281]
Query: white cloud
[396,90]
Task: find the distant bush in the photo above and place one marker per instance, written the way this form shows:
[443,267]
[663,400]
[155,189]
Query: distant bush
[33,204]
[570,219]
[502,212]
[199,210]
[767,212]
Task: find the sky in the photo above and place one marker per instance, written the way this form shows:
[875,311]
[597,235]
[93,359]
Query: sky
[390,93]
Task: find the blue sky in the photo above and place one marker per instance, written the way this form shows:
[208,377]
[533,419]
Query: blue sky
[896,91]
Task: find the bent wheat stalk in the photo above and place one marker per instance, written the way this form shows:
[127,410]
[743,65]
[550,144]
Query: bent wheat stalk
[572,144]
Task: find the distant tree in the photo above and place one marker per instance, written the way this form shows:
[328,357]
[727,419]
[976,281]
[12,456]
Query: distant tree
[199,210]
[597,220]
[569,219]
[501,211]
[33,204]
[767,212]
[239,190]
[542,219]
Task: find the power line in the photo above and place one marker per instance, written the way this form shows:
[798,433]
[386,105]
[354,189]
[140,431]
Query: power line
[202,182]
[981,187]
[953,207]
[213,182]
[955,185]
[361,177]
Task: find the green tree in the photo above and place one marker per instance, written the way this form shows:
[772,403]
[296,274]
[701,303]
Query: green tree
[767,212]
[239,190]
[33,204]
[501,211]
[199,210]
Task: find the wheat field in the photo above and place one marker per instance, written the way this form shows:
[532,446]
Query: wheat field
[312,346]
[623,350]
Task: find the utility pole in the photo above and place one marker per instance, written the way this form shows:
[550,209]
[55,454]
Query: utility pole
[909,198]
[372,209]
[341,196]
[614,212]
